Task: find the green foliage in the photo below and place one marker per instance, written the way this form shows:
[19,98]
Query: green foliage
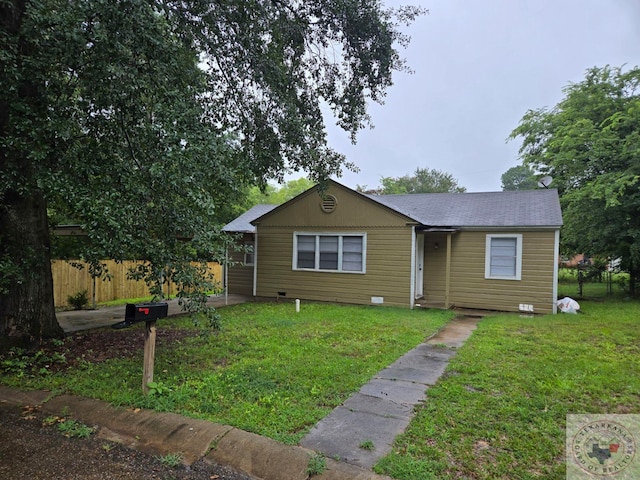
[158,389]
[317,464]
[23,363]
[276,196]
[590,144]
[271,194]
[520,177]
[171,459]
[423,180]
[75,429]
[69,428]
[146,121]
[79,300]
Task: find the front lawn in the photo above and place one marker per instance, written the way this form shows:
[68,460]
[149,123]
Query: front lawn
[270,370]
[499,411]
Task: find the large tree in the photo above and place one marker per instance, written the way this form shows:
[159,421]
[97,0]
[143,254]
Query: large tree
[520,177]
[423,180]
[276,195]
[590,144]
[143,119]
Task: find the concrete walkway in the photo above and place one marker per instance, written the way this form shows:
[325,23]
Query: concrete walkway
[76,320]
[383,408]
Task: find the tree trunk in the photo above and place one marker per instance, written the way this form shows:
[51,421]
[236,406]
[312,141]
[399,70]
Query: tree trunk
[27,312]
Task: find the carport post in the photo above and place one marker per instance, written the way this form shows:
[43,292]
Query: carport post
[149,354]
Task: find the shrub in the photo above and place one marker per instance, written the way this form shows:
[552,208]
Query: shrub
[79,300]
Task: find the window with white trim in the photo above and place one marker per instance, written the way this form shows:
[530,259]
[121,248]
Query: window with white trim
[503,257]
[330,252]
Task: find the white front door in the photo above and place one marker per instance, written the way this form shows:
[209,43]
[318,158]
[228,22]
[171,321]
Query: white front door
[419,267]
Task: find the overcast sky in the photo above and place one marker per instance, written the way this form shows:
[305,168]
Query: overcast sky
[479,66]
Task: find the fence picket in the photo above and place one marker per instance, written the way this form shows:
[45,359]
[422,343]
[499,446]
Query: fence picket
[69,280]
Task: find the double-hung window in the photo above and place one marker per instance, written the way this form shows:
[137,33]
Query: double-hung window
[503,257]
[330,252]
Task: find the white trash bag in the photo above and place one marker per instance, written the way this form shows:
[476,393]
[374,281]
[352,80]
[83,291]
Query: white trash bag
[568,305]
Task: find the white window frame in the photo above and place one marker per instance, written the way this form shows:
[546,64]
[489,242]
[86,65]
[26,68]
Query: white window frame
[518,258]
[340,236]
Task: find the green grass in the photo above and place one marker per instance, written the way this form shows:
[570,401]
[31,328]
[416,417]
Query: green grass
[171,459]
[69,428]
[499,411]
[317,465]
[270,370]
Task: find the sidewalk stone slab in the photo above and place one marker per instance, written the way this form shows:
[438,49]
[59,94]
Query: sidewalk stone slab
[425,376]
[384,406]
[378,406]
[394,390]
[344,430]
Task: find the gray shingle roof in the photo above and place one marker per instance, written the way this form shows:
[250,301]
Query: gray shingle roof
[243,222]
[526,208]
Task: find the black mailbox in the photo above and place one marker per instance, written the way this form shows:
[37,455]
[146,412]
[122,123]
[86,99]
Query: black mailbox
[142,312]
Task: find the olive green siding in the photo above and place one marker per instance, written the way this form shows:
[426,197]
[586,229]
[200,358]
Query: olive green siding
[388,251]
[468,287]
[240,276]
[453,271]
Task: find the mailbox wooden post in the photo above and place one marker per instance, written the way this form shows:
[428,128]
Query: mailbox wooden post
[148,313]
[149,355]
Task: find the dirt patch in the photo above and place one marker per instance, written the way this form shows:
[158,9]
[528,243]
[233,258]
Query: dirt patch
[100,345]
[31,450]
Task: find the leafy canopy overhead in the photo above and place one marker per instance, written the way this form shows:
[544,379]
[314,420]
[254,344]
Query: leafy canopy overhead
[423,180]
[144,120]
[590,144]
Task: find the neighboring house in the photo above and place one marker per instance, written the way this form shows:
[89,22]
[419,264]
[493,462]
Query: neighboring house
[576,261]
[494,251]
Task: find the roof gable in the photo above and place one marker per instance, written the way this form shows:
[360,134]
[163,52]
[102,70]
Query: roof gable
[353,209]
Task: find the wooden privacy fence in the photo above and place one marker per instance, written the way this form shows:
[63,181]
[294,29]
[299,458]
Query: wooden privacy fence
[69,280]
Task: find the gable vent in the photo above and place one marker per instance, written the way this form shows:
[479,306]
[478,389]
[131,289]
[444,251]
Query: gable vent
[328,203]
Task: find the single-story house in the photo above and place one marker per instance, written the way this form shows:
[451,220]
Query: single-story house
[494,251]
